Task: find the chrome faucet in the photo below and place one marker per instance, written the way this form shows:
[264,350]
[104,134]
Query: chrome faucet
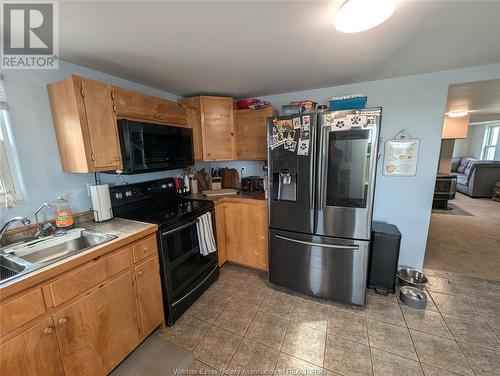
[25,221]
[39,229]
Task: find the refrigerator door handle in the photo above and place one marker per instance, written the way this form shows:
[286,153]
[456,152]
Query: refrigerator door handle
[350,247]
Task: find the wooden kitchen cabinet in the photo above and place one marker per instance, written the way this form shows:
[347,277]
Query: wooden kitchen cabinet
[213,118]
[132,105]
[220,229]
[33,352]
[245,232]
[85,125]
[98,331]
[149,295]
[251,133]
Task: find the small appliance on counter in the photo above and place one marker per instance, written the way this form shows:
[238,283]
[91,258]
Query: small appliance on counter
[249,183]
[101,202]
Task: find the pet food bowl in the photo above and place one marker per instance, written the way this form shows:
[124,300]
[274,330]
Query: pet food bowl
[413,297]
[412,277]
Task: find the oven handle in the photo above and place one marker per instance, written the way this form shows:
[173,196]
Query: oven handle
[351,247]
[180,228]
[197,286]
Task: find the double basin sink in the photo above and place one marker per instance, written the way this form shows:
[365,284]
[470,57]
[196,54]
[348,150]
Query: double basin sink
[21,259]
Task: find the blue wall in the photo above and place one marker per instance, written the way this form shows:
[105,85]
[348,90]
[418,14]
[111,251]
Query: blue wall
[33,137]
[415,103]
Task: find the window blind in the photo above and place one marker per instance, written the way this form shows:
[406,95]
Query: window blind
[3,99]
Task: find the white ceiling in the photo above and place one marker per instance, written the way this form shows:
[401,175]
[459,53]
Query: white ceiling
[247,48]
[481,99]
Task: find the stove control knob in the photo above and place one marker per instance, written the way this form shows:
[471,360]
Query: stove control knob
[118,196]
[128,194]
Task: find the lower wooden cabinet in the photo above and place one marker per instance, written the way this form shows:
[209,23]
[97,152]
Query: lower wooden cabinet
[149,295]
[244,238]
[110,306]
[100,330]
[34,352]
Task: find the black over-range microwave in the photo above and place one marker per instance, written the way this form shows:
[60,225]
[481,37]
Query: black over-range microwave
[147,147]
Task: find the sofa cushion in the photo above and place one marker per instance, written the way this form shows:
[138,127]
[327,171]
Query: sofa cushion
[462,179]
[455,163]
[464,163]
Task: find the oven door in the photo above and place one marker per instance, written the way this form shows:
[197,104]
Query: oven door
[181,260]
[151,147]
[346,178]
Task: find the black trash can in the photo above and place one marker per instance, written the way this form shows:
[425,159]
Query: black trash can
[384,256]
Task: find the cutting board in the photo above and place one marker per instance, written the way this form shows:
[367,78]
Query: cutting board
[219,192]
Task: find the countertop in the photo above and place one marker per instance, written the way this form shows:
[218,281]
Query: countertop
[125,230]
[241,195]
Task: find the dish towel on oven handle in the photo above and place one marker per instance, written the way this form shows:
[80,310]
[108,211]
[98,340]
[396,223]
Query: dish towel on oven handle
[205,232]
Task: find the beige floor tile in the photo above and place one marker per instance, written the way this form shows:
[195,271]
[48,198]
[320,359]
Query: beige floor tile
[222,290]
[233,272]
[249,295]
[489,310]
[390,337]
[434,371]
[353,308]
[426,321]
[200,368]
[436,273]
[390,297]
[267,329]
[472,331]
[440,352]
[206,308]
[258,279]
[305,343]
[310,314]
[348,325]
[464,278]
[236,318]
[384,310]
[456,305]
[278,304]
[217,348]
[186,332]
[290,365]
[387,364]
[347,357]
[443,285]
[253,358]
[479,289]
[484,362]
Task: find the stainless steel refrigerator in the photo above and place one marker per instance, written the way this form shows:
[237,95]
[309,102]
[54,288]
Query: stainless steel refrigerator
[321,183]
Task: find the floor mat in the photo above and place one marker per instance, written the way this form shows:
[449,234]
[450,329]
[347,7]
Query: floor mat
[452,209]
[155,357]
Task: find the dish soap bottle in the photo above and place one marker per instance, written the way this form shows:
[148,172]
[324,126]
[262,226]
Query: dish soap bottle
[64,216]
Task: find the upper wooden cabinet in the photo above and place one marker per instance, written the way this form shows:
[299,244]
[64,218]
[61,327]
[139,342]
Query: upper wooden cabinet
[132,105]
[85,125]
[213,119]
[251,139]
[85,114]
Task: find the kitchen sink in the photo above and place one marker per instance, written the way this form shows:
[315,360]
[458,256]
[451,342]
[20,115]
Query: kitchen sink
[26,257]
[9,268]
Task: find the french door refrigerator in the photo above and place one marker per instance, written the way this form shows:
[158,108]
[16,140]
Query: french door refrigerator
[321,200]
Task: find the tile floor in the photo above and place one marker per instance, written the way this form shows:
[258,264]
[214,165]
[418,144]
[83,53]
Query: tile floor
[244,324]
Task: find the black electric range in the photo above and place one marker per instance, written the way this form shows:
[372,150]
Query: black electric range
[185,273]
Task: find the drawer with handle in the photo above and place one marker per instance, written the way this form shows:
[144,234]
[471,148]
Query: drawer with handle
[89,275]
[145,248]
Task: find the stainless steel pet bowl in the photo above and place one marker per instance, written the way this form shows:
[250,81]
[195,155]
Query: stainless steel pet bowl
[412,277]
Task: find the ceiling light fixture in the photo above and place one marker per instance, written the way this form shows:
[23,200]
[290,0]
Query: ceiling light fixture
[457,114]
[359,15]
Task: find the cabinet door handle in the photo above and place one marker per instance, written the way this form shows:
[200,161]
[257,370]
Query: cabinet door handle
[140,273]
[62,320]
[48,330]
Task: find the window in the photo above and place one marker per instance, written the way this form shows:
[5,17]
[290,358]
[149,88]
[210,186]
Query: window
[491,138]
[9,191]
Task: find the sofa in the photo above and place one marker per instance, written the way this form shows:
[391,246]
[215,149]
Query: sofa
[475,178]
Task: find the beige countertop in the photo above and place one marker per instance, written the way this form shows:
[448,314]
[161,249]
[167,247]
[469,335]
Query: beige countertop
[126,232]
[242,195]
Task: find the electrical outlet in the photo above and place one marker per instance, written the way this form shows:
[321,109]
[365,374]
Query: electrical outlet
[243,171]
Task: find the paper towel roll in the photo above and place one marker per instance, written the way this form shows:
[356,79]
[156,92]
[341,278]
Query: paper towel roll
[101,202]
